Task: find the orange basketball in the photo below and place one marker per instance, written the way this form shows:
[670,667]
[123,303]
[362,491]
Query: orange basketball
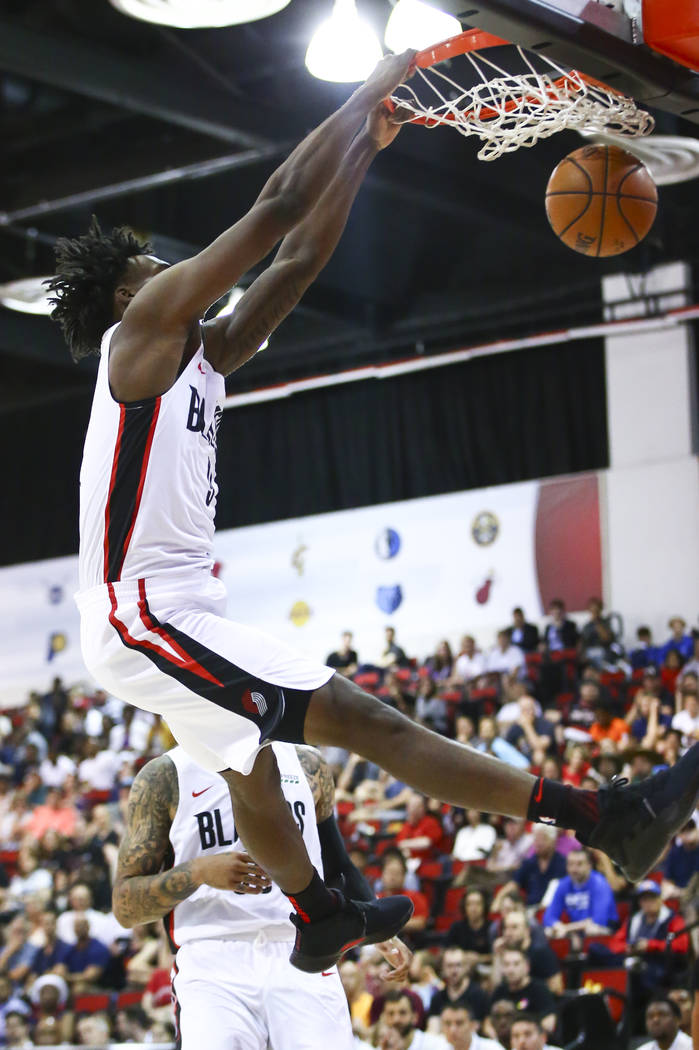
[601,200]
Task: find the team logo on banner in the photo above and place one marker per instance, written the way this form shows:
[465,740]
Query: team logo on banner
[387,544]
[57,643]
[389,598]
[300,613]
[55,594]
[485,528]
[483,592]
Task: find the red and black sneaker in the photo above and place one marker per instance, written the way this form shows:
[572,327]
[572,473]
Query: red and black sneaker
[319,945]
[638,820]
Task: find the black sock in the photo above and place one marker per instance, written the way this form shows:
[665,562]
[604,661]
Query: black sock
[567,807]
[316,901]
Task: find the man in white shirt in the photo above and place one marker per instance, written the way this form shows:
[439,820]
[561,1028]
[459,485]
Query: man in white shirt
[459,1029]
[663,1018]
[98,771]
[470,663]
[504,658]
[104,926]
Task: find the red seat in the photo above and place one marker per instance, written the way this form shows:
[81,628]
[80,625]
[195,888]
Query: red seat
[560,946]
[125,999]
[453,696]
[403,674]
[367,679]
[90,1004]
[614,983]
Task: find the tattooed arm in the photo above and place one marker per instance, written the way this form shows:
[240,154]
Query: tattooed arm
[320,780]
[142,891]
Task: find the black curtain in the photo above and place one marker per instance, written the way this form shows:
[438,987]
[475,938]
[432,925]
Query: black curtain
[493,420]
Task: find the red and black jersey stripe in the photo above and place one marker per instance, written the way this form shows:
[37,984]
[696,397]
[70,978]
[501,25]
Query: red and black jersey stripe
[129,465]
[200,669]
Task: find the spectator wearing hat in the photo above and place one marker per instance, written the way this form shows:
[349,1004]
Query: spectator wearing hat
[584,896]
[645,936]
[679,639]
[682,860]
[49,997]
[663,1026]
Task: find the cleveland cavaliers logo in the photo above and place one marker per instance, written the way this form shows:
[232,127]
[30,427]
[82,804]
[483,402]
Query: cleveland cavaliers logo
[253,702]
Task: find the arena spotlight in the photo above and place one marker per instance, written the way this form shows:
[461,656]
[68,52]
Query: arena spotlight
[415,24]
[27,296]
[196,14]
[344,48]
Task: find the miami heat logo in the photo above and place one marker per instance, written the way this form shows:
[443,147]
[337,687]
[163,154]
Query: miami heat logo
[254,703]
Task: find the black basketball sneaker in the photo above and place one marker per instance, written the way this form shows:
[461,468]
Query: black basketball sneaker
[319,945]
[638,820]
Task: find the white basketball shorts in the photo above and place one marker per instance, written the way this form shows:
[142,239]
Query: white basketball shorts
[224,689]
[246,995]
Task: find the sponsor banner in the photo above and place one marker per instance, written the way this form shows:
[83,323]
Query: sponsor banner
[434,568]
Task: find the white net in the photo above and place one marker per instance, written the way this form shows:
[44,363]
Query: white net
[508,110]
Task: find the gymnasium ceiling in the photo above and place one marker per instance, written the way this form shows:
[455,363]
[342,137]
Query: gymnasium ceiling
[178,131]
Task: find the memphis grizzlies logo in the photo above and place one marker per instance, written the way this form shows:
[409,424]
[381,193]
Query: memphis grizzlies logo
[389,598]
[387,544]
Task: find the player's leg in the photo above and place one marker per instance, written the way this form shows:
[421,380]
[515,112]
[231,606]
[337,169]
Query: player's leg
[304,1011]
[219,996]
[631,823]
[327,924]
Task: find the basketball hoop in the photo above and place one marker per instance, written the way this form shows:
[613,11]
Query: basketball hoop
[509,110]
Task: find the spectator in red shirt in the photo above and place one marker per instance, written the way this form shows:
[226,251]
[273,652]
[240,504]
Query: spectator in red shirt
[645,935]
[393,872]
[421,834]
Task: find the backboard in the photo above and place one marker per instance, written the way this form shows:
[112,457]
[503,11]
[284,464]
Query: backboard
[600,40]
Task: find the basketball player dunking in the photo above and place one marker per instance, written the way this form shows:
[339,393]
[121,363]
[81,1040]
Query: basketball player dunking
[232,980]
[153,630]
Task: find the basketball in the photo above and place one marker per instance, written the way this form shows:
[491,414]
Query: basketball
[601,200]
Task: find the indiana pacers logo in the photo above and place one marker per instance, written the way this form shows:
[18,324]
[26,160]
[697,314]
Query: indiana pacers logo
[254,703]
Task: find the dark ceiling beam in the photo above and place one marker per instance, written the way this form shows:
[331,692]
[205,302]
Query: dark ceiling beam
[152,87]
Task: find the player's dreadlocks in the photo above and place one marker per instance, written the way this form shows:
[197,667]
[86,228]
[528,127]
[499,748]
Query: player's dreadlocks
[87,271]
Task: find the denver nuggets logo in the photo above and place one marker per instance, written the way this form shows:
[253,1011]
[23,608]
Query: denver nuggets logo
[485,528]
[254,703]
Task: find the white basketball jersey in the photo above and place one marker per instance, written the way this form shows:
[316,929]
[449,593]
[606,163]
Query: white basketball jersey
[204,825]
[148,477]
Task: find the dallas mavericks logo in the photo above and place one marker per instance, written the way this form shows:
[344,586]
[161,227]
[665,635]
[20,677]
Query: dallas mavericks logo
[389,598]
[387,544]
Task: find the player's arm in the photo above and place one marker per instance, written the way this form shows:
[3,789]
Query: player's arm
[147,348]
[142,891]
[232,340]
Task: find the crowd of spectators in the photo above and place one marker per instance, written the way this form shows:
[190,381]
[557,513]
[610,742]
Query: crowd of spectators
[510,921]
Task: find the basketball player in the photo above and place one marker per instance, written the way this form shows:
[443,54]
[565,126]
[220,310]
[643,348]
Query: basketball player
[233,983]
[153,631]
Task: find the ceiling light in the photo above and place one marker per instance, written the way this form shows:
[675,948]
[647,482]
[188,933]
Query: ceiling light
[193,14]
[234,297]
[28,296]
[344,48]
[415,24]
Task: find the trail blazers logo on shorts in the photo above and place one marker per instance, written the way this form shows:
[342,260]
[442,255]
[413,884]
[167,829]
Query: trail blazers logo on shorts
[254,702]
